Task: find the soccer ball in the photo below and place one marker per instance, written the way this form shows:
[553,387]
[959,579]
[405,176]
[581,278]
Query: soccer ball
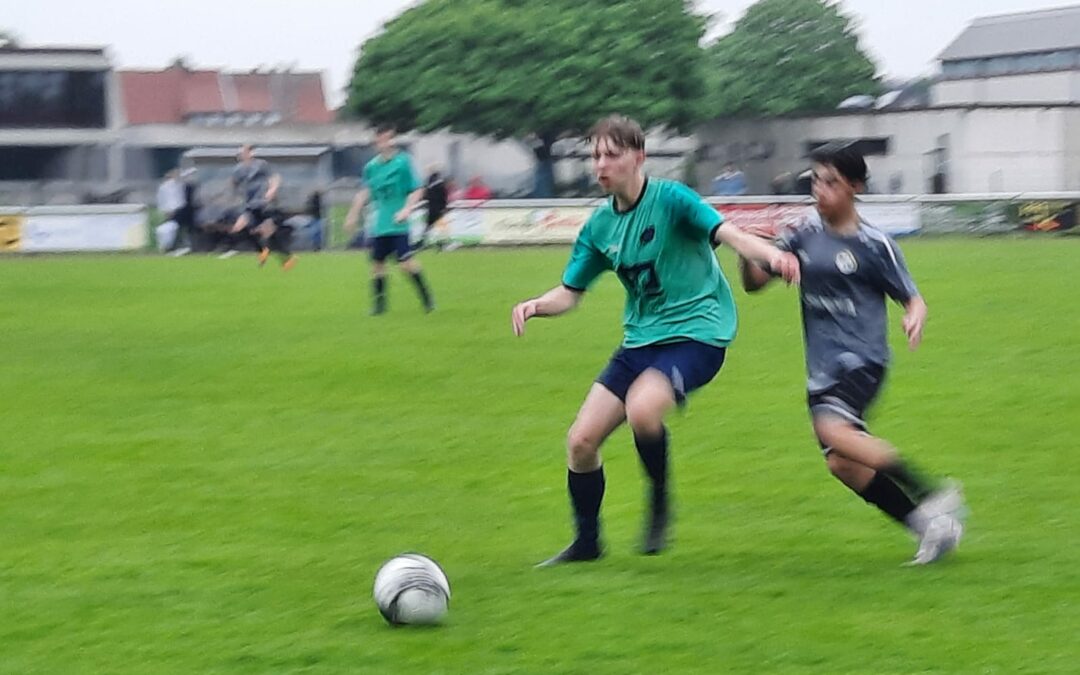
[412,589]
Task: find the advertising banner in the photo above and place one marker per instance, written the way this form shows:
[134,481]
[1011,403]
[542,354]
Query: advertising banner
[10,232]
[47,230]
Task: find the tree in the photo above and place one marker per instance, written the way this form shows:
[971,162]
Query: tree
[8,38]
[788,56]
[536,71]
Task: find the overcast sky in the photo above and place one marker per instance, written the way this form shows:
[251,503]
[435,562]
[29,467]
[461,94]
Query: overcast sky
[903,36]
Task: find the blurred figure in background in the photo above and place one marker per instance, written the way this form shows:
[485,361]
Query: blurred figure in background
[784,184]
[437,198]
[314,208]
[730,181]
[477,190]
[391,184]
[185,216]
[170,201]
[260,221]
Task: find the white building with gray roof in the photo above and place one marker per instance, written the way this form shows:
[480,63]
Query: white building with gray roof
[1031,57]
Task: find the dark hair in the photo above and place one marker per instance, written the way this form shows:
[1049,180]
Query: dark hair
[619,130]
[386,128]
[843,157]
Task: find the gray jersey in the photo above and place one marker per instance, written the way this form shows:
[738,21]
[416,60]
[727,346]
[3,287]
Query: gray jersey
[252,180]
[844,283]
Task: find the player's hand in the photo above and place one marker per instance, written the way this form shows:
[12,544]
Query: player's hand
[350,223]
[786,265]
[522,312]
[913,327]
[401,216]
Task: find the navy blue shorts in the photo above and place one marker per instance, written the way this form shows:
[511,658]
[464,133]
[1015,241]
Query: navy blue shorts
[396,244]
[850,397]
[689,365]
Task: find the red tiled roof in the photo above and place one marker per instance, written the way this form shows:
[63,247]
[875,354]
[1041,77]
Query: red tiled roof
[170,96]
[253,92]
[200,92]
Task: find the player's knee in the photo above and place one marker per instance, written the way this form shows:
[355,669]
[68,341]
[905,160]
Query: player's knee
[645,417]
[581,446]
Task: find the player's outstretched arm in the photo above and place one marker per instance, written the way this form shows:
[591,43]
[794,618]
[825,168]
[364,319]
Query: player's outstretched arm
[558,300]
[914,320]
[758,250]
[358,203]
[410,203]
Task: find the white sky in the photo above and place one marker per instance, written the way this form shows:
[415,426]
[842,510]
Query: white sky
[904,36]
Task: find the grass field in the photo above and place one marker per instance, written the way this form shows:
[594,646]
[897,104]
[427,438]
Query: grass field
[202,465]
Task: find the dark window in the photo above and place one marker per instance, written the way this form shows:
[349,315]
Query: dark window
[52,98]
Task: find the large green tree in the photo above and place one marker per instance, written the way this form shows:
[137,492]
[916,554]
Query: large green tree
[533,70]
[786,56]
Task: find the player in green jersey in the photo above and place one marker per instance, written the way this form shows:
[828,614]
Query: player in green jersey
[658,237]
[391,183]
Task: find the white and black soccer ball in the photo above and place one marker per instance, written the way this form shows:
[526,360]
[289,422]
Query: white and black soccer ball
[412,589]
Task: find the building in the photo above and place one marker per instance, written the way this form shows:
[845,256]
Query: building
[969,149]
[1031,57]
[73,130]
[1004,117]
[60,116]
[168,112]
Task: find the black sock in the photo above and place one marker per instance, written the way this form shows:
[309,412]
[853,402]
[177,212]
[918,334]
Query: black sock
[907,479]
[258,241]
[281,242]
[654,458]
[421,288]
[586,493]
[883,493]
[378,285]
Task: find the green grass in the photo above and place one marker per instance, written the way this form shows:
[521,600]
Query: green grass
[203,464]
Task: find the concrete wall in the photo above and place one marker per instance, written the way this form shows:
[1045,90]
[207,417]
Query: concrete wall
[1057,87]
[1010,150]
[987,149]
[504,165]
[1071,143]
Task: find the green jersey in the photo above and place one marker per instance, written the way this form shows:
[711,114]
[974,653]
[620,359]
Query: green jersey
[390,181]
[662,251]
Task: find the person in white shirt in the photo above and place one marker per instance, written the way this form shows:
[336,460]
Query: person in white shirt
[170,201]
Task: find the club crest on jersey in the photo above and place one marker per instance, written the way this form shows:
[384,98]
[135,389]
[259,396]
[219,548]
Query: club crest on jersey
[648,235]
[845,262]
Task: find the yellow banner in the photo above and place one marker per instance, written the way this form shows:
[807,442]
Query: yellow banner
[10,233]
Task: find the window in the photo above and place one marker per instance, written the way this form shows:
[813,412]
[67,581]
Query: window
[52,98]
[954,70]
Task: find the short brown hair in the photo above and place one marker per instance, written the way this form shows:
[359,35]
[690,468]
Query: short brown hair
[619,130]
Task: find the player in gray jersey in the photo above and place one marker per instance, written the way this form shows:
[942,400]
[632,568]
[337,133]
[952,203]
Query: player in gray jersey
[260,220]
[848,269]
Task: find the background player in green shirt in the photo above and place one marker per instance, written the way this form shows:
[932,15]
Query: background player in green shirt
[658,237]
[391,183]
